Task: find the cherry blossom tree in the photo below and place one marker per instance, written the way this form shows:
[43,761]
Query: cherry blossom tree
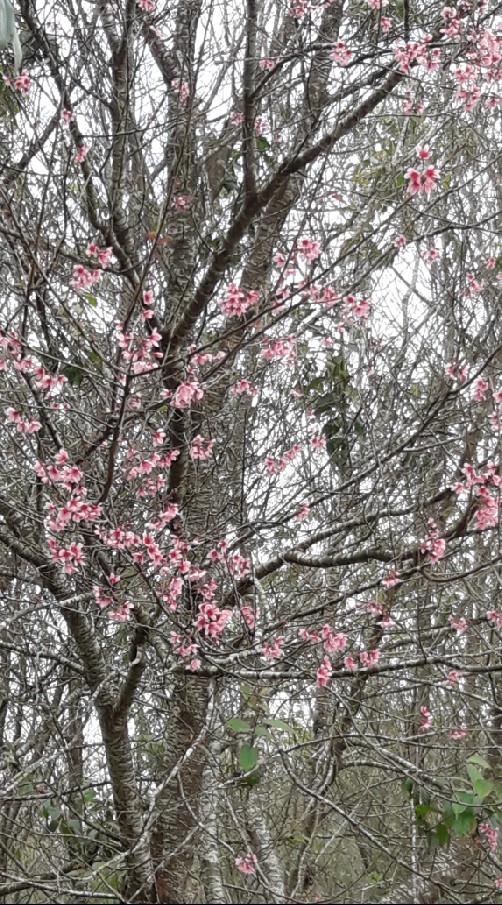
[251,409]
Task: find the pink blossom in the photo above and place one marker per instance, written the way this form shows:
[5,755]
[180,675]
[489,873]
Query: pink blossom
[274,650]
[187,393]
[67,116]
[121,612]
[181,202]
[22,82]
[279,348]
[385,24]
[83,278]
[426,719]
[400,241]
[246,863]
[149,6]
[201,448]
[422,182]
[237,301]
[341,54]
[350,663]
[432,544]
[423,152]
[182,89]
[458,733]
[249,615]
[81,154]
[498,883]
[302,513]
[392,579]
[243,386]
[369,658]
[308,249]
[460,625]
[491,834]
[324,672]
[333,641]
[267,64]
[480,390]
[211,620]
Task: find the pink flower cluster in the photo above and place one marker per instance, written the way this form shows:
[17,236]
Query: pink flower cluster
[80,154]
[279,348]
[432,544]
[182,89]
[186,393]
[22,82]
[308,249]
[246,863]
[491,834]
[142,352]
[118,610]
[237,301]
[324,673]
[211,620]
[102,254]
[357,307]
[415,53]
[458,733]
[250,615]
[333,641]
[83,278]
[243,386]
[23,425]
[459,625]
[69,557]
[426,719]
[367,659]
[341,54]
[274,466]
[487,504]
[274,650]
[201,448]
[422,181]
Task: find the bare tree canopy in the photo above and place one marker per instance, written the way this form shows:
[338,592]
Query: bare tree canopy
[251,421]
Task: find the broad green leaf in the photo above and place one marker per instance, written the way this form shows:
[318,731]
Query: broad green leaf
[248,758]
[442,833]
[261,732]
[483,787]
[280,724]
[480,761]
[237,725]
[464,824]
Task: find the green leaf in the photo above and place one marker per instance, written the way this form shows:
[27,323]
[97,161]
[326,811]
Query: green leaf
[483,787]
[480,761]
[261,732]
[90,298]
[400,181]
[422,809]
[464,824]
[442,833]
[237,725]
[280,724]
[252,779]
[73,374]
[248,758]
[407,785]
[262,143]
